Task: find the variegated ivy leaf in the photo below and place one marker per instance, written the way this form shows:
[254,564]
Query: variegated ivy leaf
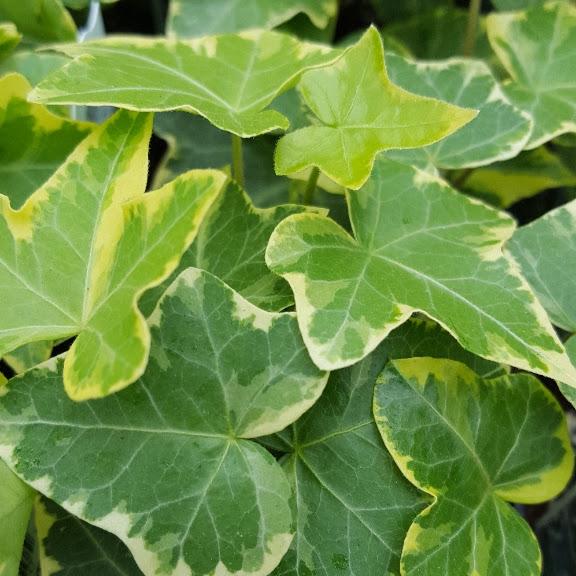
[28,355]
[538,48]
[500,130]
[361,113]
[209,499]
[82,249]
[472,444]
[189,18]
[39,20]
[68,545]
[231,243]
[9,39]
[228,79]
[33,141]
[418,246]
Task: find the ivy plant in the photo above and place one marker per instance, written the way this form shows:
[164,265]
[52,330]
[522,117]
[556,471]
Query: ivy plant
[299,304]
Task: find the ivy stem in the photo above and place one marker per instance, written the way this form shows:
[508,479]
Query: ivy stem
[311,186]
[237,160]
[471,27]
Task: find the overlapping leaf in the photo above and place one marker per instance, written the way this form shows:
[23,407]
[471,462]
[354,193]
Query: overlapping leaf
[33,141]
[9,39]
[418,246]
[28,355]
[174,475]
[228,79]
[472,444]
[73,260]
[207,17]
[538,49]
[361,113]
[34,66]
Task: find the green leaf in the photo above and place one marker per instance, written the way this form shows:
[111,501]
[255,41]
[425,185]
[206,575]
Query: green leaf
[500,130]
[82,249]
[418,246]
[536,47]
[33,141]
[472,444]
[208,17]
[361,113]
[34,66]
[9,39]
[353,505]
[508,5]
[39,20]
[209,499]
[229,79]
[28,355]
[81,4]
[70,546]
[231,243]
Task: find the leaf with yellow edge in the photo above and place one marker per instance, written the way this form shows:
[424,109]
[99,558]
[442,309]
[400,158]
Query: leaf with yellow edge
[81,250]
[9,38]
[472,444]
[361,113]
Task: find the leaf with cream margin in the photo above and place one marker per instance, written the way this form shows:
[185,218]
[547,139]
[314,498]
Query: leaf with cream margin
[228,79]
[33,141]
[209,500]
[418,246]
[473,445]
[361,113]
[499,131]
[538,48]
[9,38]
[208,17]
[231,243]
[82,249]
[28,355]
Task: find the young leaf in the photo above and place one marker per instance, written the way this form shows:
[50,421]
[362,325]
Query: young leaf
[229,79]
[418,246]
[209,500]
[208,17]
[82,249]
[9,39]
[537,48]
[361,113]
[500,130]
[472,444]
[33,141]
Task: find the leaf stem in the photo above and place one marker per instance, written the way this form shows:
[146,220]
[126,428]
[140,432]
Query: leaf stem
[308,196]
[237,160]
[471,27]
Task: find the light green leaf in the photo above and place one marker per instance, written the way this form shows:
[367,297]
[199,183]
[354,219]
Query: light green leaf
[82,249]
[67,545]
[34,66]
[537,48]
[28,355]
[33,141]
[189,18]
[9,39]
[209,499]
[230,244]
[229,79]
[353,505]
[361,113]
[39,20]
[472,444]
[418,246]
[531,172]
[500,130]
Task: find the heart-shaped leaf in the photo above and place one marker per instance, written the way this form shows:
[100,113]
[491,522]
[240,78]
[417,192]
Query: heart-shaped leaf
[418,246]
[228,79]
[361,113]
[472,444]
[538,49]
[176,475]
[81,250]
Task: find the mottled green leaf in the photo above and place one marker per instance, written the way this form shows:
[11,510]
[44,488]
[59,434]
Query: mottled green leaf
[82,249]
[500,130]
[175,475]
[34,66]
[33,141]
[353,505]
[189,18]
[361,113]
[28,355]
[229,79]
[9,39]
[39,20]
[538,49]
[472,444]
[418,246]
